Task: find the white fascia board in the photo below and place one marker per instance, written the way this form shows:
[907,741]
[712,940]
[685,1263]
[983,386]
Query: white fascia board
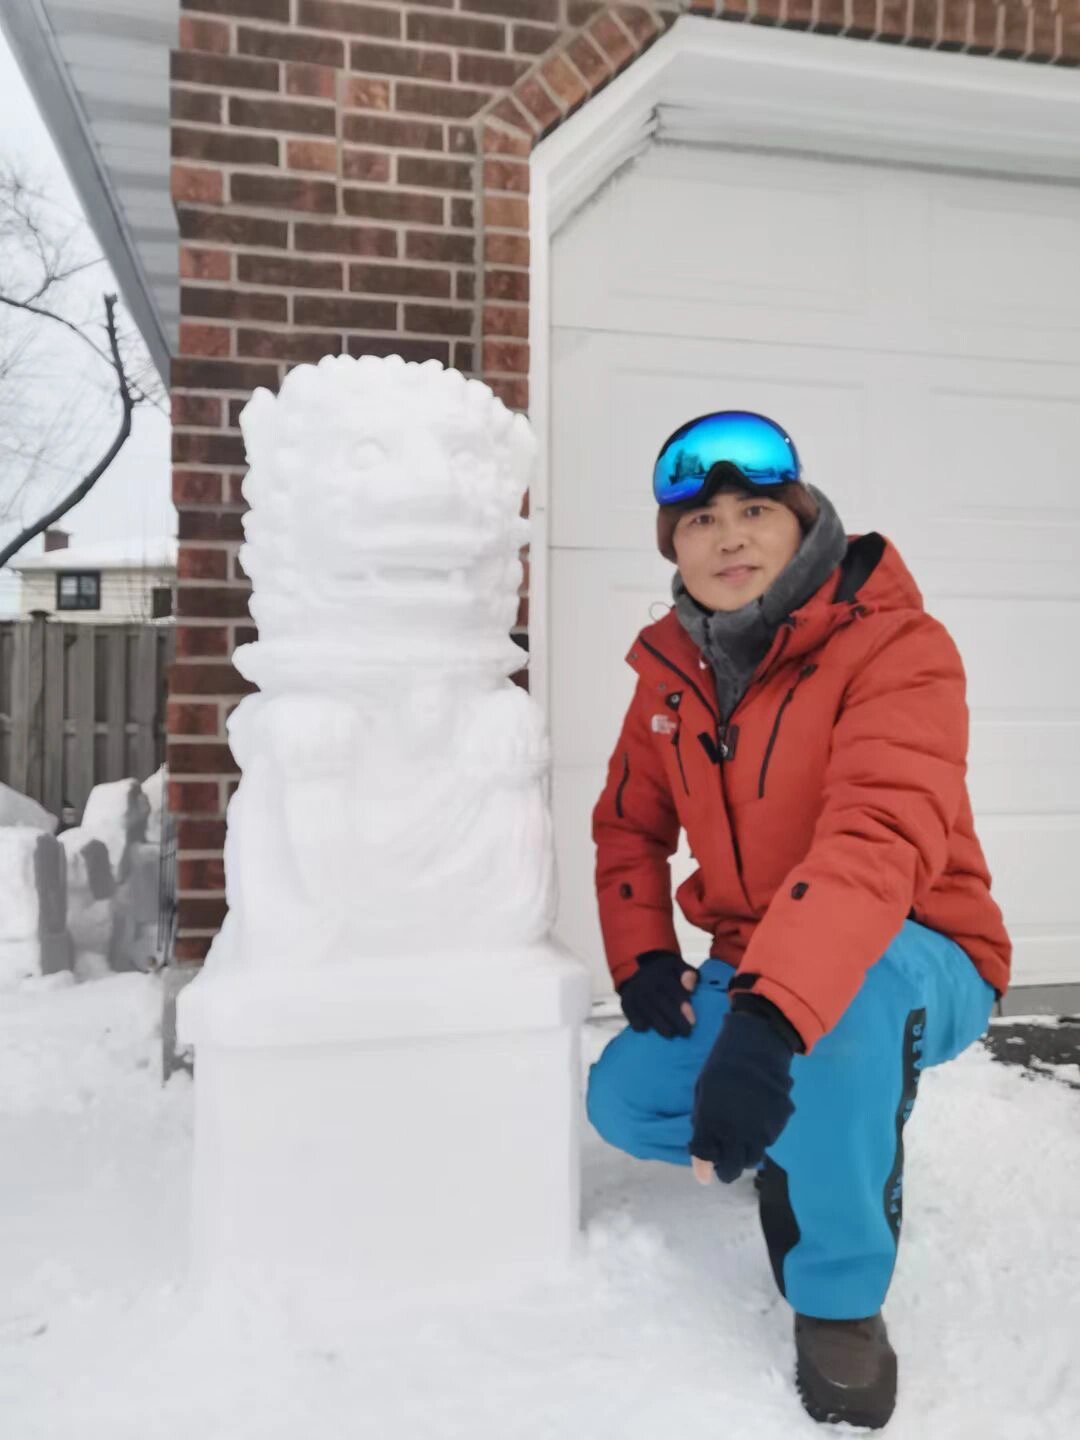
[30,35]
[745,85]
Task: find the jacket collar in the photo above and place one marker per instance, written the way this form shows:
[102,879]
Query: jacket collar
[871,577]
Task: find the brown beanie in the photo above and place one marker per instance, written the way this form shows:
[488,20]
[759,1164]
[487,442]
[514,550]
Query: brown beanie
[795,494]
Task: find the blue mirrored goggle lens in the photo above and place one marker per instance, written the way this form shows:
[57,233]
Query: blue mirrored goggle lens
[754,444]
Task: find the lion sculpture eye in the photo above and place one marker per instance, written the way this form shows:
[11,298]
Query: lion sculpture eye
[368,453]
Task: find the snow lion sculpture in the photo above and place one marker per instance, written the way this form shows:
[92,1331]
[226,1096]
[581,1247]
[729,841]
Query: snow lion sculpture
[385,1002]
[393,776]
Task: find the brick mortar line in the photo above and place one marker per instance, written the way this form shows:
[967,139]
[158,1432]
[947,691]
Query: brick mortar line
[291,97]
[253,287]
[307,29]
[241,208]
[420,47]
[351,332]
[374,297]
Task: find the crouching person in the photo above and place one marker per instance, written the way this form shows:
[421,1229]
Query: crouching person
[803,719]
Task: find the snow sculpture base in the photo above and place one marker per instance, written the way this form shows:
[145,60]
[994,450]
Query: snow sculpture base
[386,1126]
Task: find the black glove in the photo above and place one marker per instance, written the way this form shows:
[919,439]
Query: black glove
[653,997]
[741,1099]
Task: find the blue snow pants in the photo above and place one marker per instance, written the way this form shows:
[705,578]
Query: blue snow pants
[831,1186]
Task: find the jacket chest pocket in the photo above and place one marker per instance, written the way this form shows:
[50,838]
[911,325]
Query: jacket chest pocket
[671,734]
[777,724]
[667,732]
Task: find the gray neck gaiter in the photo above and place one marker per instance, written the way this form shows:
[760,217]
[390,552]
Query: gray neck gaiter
[735,642]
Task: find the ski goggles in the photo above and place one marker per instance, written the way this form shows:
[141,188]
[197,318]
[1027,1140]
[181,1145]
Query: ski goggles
[757,447]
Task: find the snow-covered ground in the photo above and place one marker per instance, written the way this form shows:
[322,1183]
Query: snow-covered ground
[669,1325]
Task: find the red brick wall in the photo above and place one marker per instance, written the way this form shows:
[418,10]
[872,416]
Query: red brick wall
[351,176]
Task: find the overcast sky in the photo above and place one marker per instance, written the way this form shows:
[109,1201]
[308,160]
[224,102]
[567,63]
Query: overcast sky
[131,501]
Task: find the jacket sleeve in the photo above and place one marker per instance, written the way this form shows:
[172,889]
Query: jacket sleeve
[893,789]
[636,830]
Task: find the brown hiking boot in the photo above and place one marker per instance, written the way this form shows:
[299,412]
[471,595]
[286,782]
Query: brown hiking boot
[845,1370]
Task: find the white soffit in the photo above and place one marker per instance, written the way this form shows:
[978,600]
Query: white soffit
[99,72]
[716,82]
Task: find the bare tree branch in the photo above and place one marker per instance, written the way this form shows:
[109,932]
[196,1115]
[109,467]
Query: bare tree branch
[87,483]
[39,310]
[31,309]
[47,429]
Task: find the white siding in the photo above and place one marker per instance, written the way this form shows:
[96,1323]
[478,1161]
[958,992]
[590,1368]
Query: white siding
[125,594]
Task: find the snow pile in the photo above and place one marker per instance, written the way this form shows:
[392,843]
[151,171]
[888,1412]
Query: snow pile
[154,791]
[87,900]
[116,814]
[19,905]
[19,809]
[668,1324]
[70,1048]
[93,1197]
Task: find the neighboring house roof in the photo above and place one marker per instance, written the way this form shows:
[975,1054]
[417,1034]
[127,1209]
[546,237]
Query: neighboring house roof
[99,72]
[158,554]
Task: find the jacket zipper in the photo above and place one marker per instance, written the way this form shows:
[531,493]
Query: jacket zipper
[789,629]
[678,757]
[802,675]
[622,784]
[682,676]
[720,731]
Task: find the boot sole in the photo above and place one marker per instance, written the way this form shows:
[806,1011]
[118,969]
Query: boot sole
[871,1408]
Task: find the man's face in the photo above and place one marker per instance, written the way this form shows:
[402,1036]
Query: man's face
[730,550]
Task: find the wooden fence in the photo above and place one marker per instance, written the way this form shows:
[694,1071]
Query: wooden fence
[80,704]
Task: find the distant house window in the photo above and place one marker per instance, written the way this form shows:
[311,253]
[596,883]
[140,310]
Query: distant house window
[161,602]
[78,590]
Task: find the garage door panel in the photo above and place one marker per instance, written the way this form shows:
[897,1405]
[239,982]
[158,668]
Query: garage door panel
[1007,450]
[1019,654]
[973,466]
[1033,862]
[978,229]
[799,251]
[618,397]
[1045,959]
[744,256]
[600,600]
[574,791]
[765,248]
[1024,766]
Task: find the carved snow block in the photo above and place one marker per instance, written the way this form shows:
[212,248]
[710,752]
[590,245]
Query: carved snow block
[397,1132]
[386,1038]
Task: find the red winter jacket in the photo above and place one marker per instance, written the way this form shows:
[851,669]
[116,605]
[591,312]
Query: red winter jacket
[831,807]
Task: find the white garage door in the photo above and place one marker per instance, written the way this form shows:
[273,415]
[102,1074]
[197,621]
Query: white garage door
[919,335]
